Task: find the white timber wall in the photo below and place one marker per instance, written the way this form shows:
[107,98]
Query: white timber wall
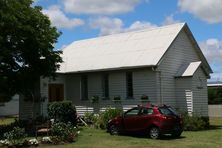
[117,84]
[182,85]
[73,88]
[199,87]
[28,109]
[181,52]
[60,79]
[144,82]
[11,107]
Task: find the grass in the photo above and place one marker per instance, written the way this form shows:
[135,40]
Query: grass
[7,120]
[93,138]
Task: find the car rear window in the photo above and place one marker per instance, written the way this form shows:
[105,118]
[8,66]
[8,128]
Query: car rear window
[167,111]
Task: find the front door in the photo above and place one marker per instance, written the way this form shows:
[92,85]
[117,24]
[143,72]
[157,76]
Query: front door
[56,92]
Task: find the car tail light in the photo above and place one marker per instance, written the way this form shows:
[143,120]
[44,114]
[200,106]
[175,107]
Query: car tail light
[164,117]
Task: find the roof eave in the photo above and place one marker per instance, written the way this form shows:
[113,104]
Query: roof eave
[108,69]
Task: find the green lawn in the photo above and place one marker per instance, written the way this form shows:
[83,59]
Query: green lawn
[7,120]
[93,138]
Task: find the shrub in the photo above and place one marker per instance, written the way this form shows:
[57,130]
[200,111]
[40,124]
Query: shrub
[7,128]
[16,135]
[95,99]
[62,112]
[144,98]
[116,98]
[90,118]
[215,95]
[104,117]
[65,132]
[195,122]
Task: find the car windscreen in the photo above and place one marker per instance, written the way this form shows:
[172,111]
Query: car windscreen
[167,111]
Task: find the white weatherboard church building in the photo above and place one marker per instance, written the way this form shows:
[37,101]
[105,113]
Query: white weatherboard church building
[164,63]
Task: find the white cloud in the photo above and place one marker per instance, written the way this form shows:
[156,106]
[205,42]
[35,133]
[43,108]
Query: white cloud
[207,10]
[212,49]
[108,25]
[59,19]
[137,25]
[170,20]
[101,7]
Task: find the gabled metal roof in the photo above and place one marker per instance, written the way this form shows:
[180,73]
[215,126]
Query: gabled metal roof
[141,48]
[124,50]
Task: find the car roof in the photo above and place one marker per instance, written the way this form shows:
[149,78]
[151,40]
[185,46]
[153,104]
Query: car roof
[149,105]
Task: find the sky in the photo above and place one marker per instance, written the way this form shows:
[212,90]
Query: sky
[83,19]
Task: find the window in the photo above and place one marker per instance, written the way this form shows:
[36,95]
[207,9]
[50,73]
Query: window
[129,85]
[167,111]
[105,86]
[84,87]
[132,112]
[146,111]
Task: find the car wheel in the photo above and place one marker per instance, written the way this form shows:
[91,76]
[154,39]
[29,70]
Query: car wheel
[154,133]
[114,130]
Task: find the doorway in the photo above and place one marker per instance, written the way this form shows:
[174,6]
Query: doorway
[56,92]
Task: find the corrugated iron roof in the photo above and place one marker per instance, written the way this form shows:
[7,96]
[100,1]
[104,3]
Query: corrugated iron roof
[215,84]
[188,69]
[125,50]
[191,68]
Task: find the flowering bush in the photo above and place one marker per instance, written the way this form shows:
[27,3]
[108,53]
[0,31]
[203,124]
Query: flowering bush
[15,136]
[65,132]
[90,118]
[4,143]
[33,141]
[62,112]
[117,99]
[46,140]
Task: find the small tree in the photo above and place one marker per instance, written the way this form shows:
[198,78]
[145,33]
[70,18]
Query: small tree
[26,49]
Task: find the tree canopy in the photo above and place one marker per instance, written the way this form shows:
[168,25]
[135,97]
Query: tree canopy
[26,47]
[215,95]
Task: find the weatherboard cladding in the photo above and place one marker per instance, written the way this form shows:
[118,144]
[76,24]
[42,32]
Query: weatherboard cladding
[199,88]
[180,52]
[126,50]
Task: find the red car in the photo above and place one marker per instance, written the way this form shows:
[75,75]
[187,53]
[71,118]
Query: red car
[154,120]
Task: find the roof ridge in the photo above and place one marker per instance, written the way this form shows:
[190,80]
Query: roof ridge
[128,32]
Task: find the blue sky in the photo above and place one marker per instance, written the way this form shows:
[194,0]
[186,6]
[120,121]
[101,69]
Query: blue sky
[82,19]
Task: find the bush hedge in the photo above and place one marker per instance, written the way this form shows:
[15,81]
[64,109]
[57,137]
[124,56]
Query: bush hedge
[62,112]
[195,122]
[65,132]
[16,135]
[105,116]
